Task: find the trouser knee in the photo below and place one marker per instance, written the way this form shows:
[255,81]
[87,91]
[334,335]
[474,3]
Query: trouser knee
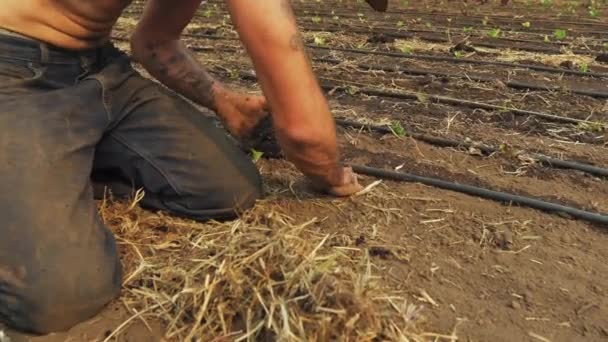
[58,294]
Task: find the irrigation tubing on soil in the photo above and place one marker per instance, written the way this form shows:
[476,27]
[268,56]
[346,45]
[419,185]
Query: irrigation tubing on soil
[462,61]
[510,84]
[484,193]
[475,41]
[444,100]
[429,58]
[459,102]
[443,142]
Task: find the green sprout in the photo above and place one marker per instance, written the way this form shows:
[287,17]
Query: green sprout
[234,74]
[400,23]
[560,34]
[467,29]
[335,18]
[319,41]
[605,45]
[592,127]
[494,33]
[406,49]
[428,24]
[526,24]
[458,54]
[583,67]
[594,12]
[397,129]
[547,40]
[316,19]
[256,155]
[352,90]
[208,12]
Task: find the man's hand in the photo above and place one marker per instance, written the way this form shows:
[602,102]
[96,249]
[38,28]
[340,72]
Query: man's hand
[156,45]
[303,123]
[348,184]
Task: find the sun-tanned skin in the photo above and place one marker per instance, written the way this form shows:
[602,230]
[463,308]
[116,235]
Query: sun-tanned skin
[303,122]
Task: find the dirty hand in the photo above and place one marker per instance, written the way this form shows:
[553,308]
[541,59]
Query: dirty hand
[348,185]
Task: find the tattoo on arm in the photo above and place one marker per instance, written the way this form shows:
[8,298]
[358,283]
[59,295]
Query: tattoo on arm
[179,70]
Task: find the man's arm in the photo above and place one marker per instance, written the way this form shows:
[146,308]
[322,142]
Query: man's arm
[303,123]
[156,45]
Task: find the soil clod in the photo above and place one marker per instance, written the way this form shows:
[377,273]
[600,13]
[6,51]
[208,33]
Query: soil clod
[602,58]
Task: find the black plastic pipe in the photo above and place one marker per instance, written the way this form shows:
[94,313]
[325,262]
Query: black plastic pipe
[484,193]
[475,41]
[429,58]
[443,142]
[462,61]
[510,84]
[457,102]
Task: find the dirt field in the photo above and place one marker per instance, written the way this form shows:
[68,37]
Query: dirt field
[404,261]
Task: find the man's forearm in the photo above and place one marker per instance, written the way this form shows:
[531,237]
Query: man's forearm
[176,67]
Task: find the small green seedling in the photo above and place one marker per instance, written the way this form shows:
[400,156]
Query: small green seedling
[494,33]
[592,127]
[458,54]
[428,24]
[208,12]
[547,40]
[335,18]
[467,29]
[406,49]
[256,155]
[594,12]
[526,24]
[400,23]
[352,90]
[583,67]
[316,19]
[234,74]
[560,34]
[397,129]
[605,45]
[319,41]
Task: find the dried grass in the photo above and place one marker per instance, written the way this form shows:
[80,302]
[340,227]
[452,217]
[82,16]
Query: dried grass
[264,276]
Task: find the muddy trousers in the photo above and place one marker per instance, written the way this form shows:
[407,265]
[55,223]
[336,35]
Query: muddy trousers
[67,118]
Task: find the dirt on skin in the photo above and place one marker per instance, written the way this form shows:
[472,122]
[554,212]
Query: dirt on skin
[482,271]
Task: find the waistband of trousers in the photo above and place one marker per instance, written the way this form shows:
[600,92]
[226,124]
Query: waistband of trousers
[14,45]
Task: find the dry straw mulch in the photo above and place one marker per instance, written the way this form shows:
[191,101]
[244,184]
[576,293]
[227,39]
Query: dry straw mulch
[264,276]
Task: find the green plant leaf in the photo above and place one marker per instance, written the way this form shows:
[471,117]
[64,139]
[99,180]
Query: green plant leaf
[397,129]
[560,34]
[256,155]
[494,33]
[406,49]
[526,24]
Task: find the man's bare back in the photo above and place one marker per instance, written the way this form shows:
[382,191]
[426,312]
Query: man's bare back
[71,24]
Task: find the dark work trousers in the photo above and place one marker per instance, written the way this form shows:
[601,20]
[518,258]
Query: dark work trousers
[68,118]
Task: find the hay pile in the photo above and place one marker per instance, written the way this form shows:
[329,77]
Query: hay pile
[263,277]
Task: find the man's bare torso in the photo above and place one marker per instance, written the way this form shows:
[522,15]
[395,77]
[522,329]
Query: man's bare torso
[71,24]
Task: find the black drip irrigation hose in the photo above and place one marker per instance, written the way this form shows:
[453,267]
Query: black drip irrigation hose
[475,41]
[510,84]
[429,58]
[484,193]
[485,149]
[462,61]
[458,102]
[422,97]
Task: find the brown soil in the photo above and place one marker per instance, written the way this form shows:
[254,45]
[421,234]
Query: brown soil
[482,271]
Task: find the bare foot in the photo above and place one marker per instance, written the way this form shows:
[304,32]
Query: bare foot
[240,113]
